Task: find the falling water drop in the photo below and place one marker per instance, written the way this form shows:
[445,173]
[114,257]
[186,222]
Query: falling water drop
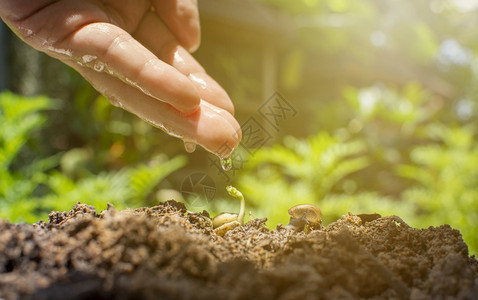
[190,147]
[226,163]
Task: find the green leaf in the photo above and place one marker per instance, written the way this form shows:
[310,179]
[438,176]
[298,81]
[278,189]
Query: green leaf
[145,178]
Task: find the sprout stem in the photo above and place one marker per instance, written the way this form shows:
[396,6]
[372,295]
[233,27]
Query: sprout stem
[235,193]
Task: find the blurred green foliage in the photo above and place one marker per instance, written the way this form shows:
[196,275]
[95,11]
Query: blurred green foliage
[301,171]
[18,117]
[29,190]
[393,139]
[128,187]
[446,175]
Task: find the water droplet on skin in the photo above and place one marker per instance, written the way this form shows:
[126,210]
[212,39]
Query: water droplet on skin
[202,83]
[115,101]
[88,58]
[99,66]
[63,52]
[190,147]
[136,85]
[226,163]
[177,58]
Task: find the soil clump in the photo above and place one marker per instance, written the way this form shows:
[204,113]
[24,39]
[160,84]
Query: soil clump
[166,252]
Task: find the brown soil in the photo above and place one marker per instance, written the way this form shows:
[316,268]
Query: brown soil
[164,252]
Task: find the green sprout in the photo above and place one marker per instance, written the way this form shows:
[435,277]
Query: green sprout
[235,193]
[224,222]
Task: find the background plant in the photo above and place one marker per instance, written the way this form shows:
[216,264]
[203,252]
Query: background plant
[393,158]
[30,189]
[19,116]
[445,172]
[300,171]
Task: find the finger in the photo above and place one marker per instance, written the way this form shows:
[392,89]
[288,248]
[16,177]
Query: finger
[18,10]
[118,53]
[182,18]
[164,45]
[211,127]
[126,13]
[72,30]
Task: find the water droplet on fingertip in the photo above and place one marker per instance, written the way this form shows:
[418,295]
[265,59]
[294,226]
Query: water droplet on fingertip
[202,83]
[88,58]
[99,66]
[190,147]
[226,163]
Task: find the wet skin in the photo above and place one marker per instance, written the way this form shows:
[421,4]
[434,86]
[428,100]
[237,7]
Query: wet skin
[136,53]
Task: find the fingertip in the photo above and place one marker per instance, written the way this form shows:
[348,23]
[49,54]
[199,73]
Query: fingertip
[220,135]
[238,135]
[182,18]
[193,48]
[190,36]
[222,146]
[193,43]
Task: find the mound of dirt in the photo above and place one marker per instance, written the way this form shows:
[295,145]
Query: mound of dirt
[166,252]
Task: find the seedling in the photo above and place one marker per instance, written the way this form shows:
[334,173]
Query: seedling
[224,222]
[304,214]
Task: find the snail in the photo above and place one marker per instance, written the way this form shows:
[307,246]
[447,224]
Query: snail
[224,222]
[304,214]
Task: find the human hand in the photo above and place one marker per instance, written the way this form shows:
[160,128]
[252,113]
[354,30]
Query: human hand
[134,52]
